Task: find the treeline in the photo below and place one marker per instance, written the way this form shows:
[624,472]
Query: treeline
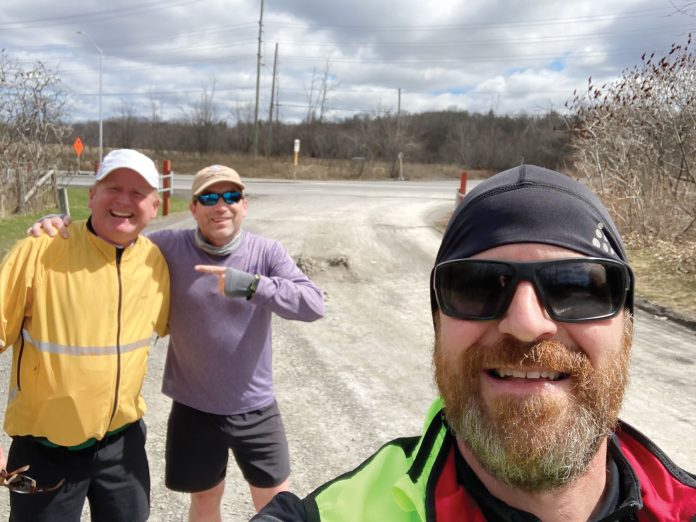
[472,140]
[632,139]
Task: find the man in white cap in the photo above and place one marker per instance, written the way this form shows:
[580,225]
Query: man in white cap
[79,315]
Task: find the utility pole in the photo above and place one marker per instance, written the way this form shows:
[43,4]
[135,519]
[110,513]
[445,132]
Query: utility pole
[258,79]
[101,74]
[270,110]
[398,137]
[398,113]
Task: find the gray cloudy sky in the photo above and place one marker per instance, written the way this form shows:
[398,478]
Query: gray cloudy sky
[476,55]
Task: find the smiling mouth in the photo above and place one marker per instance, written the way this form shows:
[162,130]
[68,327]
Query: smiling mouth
[121,214]
[538,375]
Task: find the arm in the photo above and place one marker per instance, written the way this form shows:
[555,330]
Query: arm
[16,279]
[285,507]
[284,288]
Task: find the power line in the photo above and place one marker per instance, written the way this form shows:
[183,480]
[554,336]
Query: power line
[77,18]
[501,24]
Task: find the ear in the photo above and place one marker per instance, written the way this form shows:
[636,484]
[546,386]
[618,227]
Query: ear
[192,207]
[155,207]
[90,200]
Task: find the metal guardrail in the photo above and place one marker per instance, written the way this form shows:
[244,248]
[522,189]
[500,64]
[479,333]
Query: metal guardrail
[163,184]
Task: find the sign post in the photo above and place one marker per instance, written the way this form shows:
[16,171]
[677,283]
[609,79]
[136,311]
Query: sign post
[296,149]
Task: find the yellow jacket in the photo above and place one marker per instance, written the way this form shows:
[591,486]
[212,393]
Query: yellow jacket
[80,325]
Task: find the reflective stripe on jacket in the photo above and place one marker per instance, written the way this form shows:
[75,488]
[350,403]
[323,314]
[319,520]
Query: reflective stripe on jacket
[80,323]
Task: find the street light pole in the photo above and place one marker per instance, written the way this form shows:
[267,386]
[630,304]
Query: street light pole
[101,75]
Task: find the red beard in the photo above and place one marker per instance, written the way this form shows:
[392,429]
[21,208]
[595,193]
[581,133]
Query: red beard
[538,442]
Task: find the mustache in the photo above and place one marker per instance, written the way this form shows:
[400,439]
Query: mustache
[551,355]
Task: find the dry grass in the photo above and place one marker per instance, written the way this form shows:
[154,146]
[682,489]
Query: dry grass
[665,272]
[307,168]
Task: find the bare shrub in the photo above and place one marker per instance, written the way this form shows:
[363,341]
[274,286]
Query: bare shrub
[635,140]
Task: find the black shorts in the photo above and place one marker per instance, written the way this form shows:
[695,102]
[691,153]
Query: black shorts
[112,474]
[198,445]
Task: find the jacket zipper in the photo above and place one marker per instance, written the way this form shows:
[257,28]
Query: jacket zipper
[119,253]
[19,357]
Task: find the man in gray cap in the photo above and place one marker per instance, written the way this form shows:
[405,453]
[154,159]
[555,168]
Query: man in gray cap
[532,301]
[219,363]
[79,315]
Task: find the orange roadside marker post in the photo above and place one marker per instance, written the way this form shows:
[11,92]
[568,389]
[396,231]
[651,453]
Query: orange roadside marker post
[461,191]
[166,185]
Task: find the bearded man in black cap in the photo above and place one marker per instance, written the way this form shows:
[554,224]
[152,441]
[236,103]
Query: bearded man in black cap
[532,300]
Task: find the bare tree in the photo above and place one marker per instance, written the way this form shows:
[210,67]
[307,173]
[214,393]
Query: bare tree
[125,123]
[32,103]
[156,124]
[318,92]
[243,132]
[203,118]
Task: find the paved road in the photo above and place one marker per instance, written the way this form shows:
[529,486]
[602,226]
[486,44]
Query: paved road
[362,375]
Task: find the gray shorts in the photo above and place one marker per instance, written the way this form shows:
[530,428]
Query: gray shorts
[198,445]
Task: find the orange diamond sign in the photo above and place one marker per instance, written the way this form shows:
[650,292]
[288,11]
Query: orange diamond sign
[78,146]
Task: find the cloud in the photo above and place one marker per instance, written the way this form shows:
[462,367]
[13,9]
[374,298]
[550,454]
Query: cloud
[509,56]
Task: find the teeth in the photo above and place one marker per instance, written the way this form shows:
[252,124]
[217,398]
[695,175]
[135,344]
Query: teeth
[531,374]
[120,214]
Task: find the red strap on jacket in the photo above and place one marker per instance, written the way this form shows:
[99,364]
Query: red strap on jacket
[452,502]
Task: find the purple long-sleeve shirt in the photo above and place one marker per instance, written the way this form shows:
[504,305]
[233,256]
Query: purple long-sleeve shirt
[219,356]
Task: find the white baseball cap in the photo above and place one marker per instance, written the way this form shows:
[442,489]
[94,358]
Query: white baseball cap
[129,159]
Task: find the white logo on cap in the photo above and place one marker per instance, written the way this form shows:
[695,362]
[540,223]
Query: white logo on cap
[600,240]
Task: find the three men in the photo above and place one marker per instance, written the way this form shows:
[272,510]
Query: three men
[532,300]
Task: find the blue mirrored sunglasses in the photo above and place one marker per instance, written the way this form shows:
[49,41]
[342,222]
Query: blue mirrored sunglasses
[230,197]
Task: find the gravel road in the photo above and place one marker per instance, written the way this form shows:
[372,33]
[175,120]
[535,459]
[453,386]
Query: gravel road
[362,375]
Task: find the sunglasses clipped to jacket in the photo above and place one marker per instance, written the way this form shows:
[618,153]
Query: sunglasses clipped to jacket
[571,290]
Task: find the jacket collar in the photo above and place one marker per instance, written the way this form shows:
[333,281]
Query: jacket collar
[624,497]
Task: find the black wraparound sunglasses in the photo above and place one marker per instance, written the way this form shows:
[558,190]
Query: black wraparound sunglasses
[571,290]
[211,198]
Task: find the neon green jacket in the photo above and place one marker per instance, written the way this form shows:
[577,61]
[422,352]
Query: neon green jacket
[80,325]
[391,485]
[415,480]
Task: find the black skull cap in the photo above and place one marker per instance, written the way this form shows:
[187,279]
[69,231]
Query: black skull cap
[530,204]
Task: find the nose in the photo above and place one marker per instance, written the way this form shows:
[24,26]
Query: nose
[526,318]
